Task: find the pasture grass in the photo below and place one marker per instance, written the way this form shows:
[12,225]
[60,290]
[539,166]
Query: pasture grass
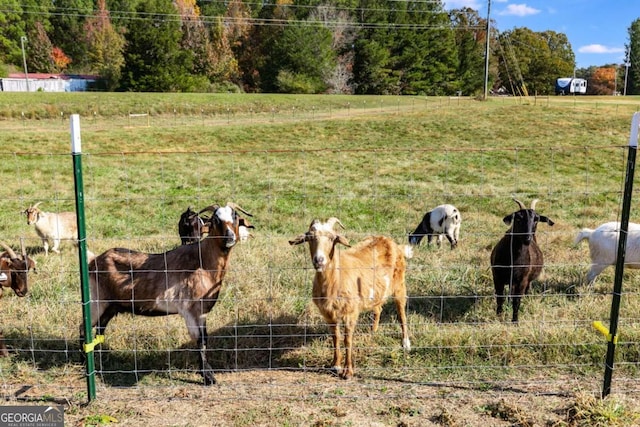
[378,168]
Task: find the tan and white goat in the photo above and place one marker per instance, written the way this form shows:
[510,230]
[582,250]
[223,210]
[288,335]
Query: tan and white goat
[54,226]
[360,278]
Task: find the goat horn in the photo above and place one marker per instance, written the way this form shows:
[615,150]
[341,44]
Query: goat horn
[533,204]
[238,208]
[332,222]
[36,205]
[10,251]
[519,203]
[210,208]
[23,249]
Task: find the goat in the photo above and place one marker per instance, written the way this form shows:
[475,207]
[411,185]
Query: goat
[192,226]
[603,247]
[517,260]
[186,280]
[348,282]
[441,220]
[54,226]
[13,274]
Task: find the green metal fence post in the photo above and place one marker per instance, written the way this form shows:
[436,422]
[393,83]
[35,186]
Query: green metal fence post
[76,153]
[612,336]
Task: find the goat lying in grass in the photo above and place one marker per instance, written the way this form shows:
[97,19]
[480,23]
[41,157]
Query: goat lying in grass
[186,280]
[357,279]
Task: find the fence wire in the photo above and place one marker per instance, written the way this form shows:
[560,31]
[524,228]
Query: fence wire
[264,321]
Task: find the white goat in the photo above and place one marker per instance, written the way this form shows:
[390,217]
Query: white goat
[441,220]
[54,226]
[360,278]
[603,247]
[186,280]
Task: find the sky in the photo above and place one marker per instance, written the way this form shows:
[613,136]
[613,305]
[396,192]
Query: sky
[597,29]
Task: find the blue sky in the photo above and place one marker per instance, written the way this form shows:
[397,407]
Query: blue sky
[597,29]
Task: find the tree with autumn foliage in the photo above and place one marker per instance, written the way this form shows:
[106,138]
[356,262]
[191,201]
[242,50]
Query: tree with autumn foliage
[602,81]
[212,54]
[60,60]
[106,46]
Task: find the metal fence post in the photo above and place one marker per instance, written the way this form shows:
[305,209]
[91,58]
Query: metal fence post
[76,153]
[612,336]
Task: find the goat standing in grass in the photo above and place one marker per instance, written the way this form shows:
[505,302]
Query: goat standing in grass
[54,226]
[516,260]
[357,279]
[441,220]
[603,247]
[186,280]
[13,274]
[190,226]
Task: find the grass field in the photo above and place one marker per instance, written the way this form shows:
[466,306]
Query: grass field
[377,163]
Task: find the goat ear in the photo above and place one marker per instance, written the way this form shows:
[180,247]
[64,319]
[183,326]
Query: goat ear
[508,219]
[246,223]
[546,219]
[342,240]
[298,239]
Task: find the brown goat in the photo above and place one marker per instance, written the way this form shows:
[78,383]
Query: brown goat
[516,260]
[357,279]
[13,274]
[186,280]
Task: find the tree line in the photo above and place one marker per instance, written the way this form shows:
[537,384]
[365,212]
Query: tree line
[389,47]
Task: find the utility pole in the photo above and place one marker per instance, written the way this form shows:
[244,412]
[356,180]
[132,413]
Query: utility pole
[24,60]
[627,64]
[486,53]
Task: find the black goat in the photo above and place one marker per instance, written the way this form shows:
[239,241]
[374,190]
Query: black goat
[517,260]
[190,226]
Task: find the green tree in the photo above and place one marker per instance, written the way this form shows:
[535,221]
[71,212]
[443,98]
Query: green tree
[12,27]
[534,60]
[372,62]
[105,47]
[67,33]
[154,61]
[39,58]
[404,48]
[633,59]
[470,34]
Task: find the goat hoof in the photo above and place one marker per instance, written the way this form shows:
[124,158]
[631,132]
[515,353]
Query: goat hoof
[209,379]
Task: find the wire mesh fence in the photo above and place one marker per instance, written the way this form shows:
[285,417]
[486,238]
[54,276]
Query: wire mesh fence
[264,320]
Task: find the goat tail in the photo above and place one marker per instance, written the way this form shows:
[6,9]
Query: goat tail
[585,233]
[408,251]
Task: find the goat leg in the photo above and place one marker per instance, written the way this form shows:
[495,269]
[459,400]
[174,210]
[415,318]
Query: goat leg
[349,326]
[205,367]
[336,364]
[499,297]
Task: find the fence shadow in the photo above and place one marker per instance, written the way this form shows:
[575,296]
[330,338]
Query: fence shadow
[263,343]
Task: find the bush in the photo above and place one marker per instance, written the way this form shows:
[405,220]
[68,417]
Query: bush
[289,82]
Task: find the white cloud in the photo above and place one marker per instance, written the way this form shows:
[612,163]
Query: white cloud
[598,48]
[519,10]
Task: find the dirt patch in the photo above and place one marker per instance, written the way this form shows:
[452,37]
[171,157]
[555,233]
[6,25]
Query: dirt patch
[293,398]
